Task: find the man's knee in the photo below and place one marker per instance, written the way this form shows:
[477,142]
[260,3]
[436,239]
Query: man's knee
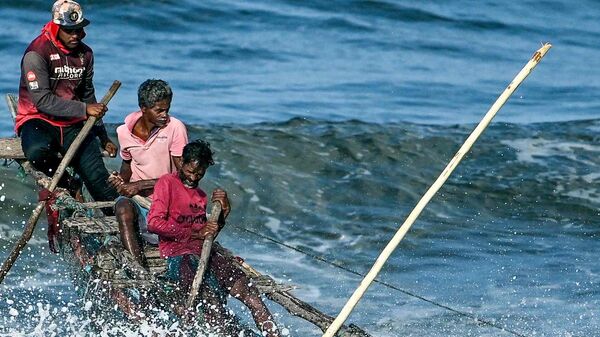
[41,156]
[38,143]
[37,153]
[126,213]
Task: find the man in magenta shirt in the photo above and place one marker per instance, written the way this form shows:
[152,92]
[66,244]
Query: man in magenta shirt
[178,216]
[151,144]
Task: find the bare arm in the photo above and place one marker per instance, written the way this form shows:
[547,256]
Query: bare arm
[178,161]
[125,171]
[121,182]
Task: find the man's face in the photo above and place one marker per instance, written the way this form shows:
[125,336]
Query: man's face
[191,173]
[70,38]
[158,115]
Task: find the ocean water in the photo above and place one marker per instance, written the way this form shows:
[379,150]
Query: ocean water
[330,119]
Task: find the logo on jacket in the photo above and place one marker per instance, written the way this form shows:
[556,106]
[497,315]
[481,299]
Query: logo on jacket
[31,76]
[191,219]
[54,57]
[196,208]
[32,80]
[68,73]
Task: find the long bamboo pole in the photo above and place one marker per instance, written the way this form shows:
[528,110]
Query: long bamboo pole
[215,213]
[391,246]
[32,222]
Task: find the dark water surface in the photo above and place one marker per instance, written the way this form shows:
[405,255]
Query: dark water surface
[330,120]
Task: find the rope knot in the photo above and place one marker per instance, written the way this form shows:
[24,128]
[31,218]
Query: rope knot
[52,216]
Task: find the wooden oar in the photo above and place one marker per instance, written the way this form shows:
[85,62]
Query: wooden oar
[30,226]
[437,184]
[206,248]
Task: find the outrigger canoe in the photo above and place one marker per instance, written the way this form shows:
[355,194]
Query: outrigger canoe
[106,274]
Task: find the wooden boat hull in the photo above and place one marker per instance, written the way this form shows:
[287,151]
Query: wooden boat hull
[103,270]
[108,276]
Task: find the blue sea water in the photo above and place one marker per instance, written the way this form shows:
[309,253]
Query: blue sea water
[330,119]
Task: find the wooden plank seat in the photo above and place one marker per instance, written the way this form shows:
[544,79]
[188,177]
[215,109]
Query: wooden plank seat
[101,225]
[10,148]
[108,226]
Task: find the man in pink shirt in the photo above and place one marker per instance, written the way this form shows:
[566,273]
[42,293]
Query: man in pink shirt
[151,144]
[178,216]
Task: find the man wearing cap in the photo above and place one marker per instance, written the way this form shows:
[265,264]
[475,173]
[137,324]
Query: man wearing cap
[56,95]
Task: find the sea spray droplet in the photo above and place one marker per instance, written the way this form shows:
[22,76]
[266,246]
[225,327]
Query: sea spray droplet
[13,312]
[174,326]
[88,306]
[2,197]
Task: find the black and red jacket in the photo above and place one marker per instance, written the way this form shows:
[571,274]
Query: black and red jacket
[56,82]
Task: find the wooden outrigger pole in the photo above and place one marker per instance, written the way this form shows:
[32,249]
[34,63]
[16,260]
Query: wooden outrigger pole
[391,246]
[32,222]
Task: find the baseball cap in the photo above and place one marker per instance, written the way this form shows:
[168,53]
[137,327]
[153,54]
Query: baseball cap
[68,14]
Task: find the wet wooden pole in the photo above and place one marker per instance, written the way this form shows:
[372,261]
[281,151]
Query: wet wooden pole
[32,222]
[391,246]
[215,213]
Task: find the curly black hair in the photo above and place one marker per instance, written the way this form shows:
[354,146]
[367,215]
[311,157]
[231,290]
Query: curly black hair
[198,151]
[152,91]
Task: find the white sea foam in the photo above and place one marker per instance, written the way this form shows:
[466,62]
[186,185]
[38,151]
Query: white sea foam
[591,177]
[595,128]
[590,194]
[273,224]
[51,320]
[358,172]
[266,209]
[317,244]
[530,150]
[227,173]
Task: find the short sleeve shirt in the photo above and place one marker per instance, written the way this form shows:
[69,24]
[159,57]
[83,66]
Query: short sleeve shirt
[151,159]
